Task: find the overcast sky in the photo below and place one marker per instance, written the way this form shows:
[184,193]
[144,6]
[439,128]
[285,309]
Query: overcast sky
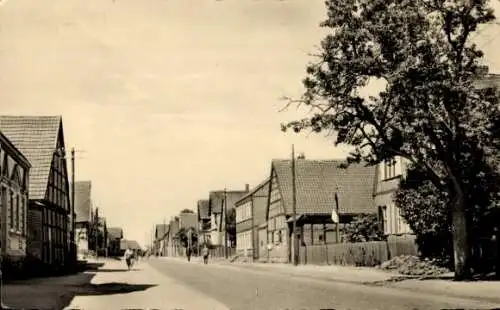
[169,99]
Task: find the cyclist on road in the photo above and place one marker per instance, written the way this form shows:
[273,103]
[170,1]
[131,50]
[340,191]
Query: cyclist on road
[129,255]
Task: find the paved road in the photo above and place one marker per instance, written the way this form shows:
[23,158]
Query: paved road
[246,289]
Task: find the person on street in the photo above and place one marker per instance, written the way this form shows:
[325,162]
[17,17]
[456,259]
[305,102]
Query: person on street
[188,253]
[129,255]
[205,254]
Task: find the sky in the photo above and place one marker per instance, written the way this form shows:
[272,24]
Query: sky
[166,100]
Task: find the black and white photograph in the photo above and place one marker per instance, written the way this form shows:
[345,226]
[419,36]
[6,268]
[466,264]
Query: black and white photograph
[249,154]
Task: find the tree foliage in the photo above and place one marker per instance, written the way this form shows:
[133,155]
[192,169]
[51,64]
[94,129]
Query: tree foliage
[363,228]
[183,236]
[231,225]
[187,211]
[426,209]
[428,110]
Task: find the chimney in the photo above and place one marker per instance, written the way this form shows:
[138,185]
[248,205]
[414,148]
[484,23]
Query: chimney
[301,156]
[247,187]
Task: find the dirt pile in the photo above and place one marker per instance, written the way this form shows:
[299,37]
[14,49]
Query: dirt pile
[413,265]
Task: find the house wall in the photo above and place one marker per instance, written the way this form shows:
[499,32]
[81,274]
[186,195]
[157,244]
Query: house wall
[34,243]
[215,235]
[13,202]
[82,239]
[55,219]
[244,244]
[243,213]
[388,177]
[277,227]
[262,244]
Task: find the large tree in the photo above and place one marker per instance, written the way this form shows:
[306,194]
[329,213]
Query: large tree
[427,109]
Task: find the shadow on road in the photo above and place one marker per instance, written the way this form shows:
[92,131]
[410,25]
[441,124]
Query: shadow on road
[117,270]
[89,289]
[58,292]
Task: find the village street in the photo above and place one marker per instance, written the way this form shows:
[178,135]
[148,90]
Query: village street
[176,284]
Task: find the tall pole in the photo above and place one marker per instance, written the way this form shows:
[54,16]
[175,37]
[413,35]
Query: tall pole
[294,211]
[337,225]
[225,223]
[254,246]
[73,248]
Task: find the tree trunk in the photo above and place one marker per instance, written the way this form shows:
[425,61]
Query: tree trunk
[461,251]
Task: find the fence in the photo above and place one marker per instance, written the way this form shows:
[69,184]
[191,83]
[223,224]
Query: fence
[356,254]
[218,251]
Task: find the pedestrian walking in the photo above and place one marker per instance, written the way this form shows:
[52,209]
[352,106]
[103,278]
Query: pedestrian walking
[188,253]
[129,255]
[205,254]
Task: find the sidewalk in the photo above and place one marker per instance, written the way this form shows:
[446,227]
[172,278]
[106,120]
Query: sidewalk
[483,290]
[141,288]
[43,293]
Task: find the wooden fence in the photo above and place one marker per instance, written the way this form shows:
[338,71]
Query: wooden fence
[356,254]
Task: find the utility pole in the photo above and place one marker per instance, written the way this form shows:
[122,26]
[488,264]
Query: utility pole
[337,225]
[225,223]
[294,211]
[73,249]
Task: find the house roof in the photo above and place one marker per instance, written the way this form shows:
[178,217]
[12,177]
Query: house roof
[253,191]
[36,137]
[132,244]
[317,182]
[217,197]
[24,162]
[115,233]
[188,220]
[174,226]
[161,230]
[83,201]
[260,202]
[203,209]
[490,80]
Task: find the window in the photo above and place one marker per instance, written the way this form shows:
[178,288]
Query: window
[280,236]
[22,215]
[382,217]
[390,169]
[18,218]
[11,210]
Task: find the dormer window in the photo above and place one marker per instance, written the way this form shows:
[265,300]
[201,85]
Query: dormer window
[390,169]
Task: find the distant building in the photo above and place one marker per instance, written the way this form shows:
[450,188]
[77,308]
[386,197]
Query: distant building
[83,219]
[14,171]
[219,200]
[160,232]
[115,235]
[41,140]
[203,219]
[250,214]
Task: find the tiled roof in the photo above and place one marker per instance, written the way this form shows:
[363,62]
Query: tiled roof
[36,137]
[316,183]
[260,202]
[490,80]
[132,244]
[115,233]
[174,227]
[217,197]
[15,150]
[188,220]
[161,230]
[83,201]
[203,209]
[253,191]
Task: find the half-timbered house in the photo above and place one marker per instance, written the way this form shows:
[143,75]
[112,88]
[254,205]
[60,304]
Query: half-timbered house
[317,181]
[41,140]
